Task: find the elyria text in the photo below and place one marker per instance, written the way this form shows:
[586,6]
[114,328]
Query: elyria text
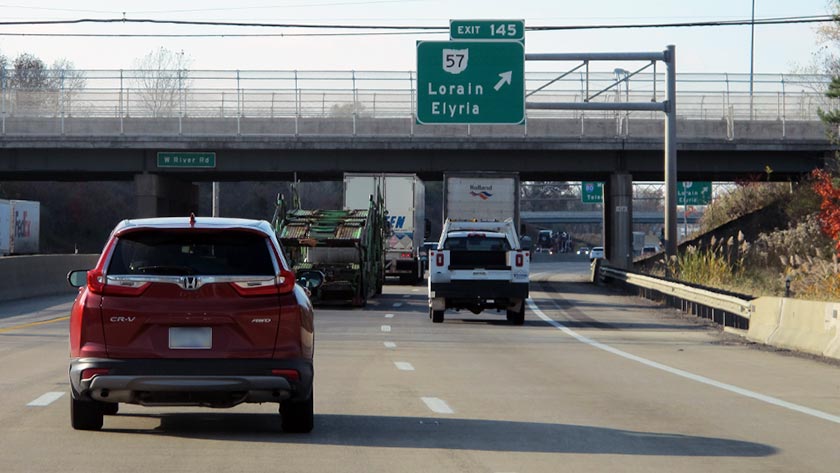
[444,108]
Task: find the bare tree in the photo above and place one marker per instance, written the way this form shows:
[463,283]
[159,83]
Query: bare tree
[69,83]
[161,80]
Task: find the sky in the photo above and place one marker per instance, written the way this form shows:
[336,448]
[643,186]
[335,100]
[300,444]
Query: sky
[778,48]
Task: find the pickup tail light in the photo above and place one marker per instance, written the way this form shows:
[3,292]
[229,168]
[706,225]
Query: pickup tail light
[283,283]
[520,260]
[439,260]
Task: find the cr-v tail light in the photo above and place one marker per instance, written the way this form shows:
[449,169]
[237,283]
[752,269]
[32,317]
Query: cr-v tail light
[99,284]
[283,283]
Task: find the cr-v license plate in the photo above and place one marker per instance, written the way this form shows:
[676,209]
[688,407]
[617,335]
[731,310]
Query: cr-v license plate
[190,338]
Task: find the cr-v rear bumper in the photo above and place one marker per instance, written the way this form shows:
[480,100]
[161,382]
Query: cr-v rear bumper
[193,382]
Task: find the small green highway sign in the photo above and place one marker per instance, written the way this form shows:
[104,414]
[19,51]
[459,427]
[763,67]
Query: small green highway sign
[592,192]
[186,159]
[470,82]
[506,30]
[694,193]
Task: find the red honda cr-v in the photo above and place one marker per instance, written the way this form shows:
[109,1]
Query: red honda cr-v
[190,312]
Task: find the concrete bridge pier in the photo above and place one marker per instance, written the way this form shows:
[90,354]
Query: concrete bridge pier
[164,196]
[618,220]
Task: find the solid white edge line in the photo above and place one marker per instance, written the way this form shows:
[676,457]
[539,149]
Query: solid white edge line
[685,374]
[437,405]
[390,345]
[389,316]
[404,366]
[46,399]
[386,328]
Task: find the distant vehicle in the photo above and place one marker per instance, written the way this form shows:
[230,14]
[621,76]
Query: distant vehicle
[545,241]
[596,253]
[405,203]
[424,252]
[648,250]
[191,311]
[481,196]
[19,226]
[583,250]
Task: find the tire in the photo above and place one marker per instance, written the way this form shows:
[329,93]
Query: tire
[110,408]
[437,316]
[85,415]
[298,417]
[516,317]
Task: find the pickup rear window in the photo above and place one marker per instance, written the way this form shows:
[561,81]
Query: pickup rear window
[230,253]
[476,243]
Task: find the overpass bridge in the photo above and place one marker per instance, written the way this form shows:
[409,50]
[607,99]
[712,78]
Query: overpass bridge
[597,217]
[271,125]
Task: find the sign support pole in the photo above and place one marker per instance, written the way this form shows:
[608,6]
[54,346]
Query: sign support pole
[671,158]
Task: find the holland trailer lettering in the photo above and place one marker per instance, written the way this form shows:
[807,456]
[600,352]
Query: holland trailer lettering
[455,109]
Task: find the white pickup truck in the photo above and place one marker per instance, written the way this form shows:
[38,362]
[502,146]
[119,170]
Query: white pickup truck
[477,266]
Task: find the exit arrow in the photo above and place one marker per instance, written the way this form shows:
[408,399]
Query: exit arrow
[505,79]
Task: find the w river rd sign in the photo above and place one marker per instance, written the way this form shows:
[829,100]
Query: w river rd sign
[470,82]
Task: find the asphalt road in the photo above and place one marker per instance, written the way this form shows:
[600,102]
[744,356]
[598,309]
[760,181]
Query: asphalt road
[594,381]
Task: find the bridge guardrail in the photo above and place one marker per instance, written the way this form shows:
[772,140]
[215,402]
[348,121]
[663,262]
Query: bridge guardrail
[725,309]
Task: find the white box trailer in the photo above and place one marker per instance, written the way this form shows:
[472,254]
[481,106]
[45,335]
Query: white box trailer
[5,227]
[25,227]
[481,196]
[405,202]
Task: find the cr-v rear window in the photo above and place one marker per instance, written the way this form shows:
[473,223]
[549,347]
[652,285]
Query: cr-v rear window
[155,252]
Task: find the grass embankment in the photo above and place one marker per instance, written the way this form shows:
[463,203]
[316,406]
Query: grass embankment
[794,249]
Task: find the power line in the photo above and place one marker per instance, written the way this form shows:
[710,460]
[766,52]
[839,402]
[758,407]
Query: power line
[413,29]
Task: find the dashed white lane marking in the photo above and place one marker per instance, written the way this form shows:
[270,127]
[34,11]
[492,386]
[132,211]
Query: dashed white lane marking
[437,405]
[386,328]
[46,399]
[685,374]
[404,366]
[390,345]
[389,316]
[406,296]
[398,304]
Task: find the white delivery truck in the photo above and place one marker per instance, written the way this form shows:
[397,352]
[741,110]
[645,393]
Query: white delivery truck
[405,203]
[5,227]
[25,229]
[20,226]
[481,196]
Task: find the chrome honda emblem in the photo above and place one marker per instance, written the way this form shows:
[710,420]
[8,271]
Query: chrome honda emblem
[190,282]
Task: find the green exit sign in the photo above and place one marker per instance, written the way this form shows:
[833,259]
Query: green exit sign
[478,82]
[592,192]
[488,30]
[186,159]
[694,193]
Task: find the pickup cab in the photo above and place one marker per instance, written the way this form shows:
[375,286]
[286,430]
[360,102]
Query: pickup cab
[477,266]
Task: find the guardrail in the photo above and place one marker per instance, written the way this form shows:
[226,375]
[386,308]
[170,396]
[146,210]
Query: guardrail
[725,309]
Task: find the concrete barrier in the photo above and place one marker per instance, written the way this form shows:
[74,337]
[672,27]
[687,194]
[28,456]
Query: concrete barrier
[764,318]
[800,325]
[39,275]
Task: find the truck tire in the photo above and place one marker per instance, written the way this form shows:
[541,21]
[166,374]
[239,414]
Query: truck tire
[437,316]
[85,415]
[298,416]
[516,317]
